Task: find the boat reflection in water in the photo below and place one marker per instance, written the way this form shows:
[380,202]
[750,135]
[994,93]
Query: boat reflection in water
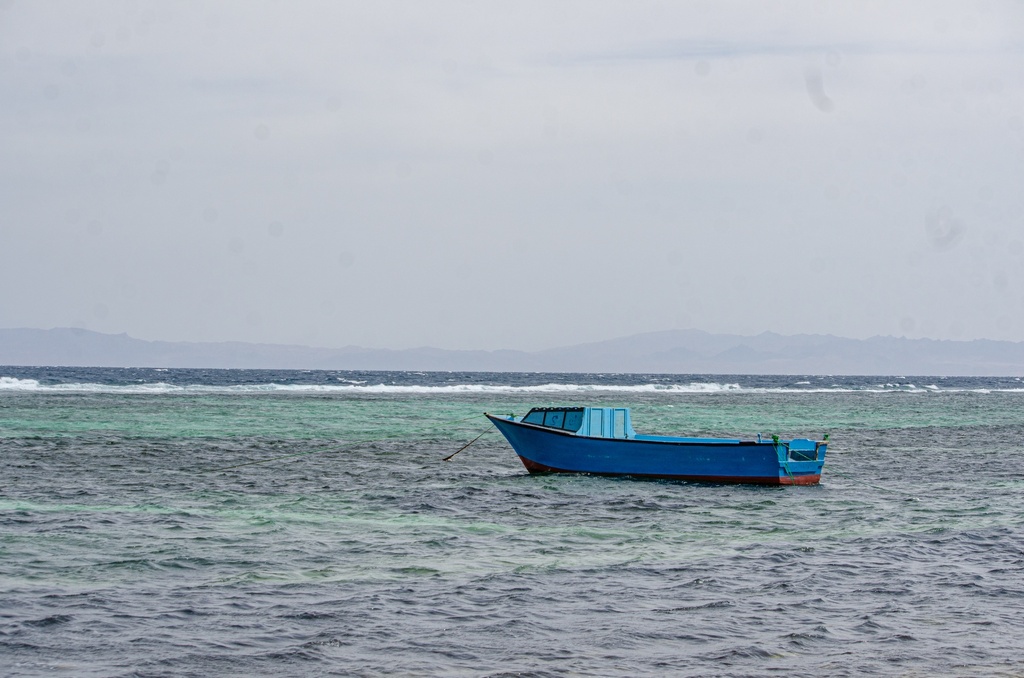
[601,441]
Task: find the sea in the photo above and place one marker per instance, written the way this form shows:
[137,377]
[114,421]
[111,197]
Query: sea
[302,523]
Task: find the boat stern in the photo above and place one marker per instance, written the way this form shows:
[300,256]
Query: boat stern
[800,460]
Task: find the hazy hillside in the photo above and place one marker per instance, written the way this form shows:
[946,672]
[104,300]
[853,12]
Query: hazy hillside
[682,351]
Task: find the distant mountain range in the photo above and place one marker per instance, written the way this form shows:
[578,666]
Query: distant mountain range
[669,352]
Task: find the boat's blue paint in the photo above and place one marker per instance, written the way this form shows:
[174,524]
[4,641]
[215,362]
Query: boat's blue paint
[606,444]
[673,439]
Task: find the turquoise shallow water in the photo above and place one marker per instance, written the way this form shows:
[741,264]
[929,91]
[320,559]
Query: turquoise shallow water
[125,551]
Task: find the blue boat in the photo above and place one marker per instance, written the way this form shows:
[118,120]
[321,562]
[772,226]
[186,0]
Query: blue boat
[601,441]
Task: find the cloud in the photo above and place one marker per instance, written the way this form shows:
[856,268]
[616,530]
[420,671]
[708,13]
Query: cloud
[590,164]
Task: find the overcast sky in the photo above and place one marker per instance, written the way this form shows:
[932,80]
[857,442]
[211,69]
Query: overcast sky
[511,174]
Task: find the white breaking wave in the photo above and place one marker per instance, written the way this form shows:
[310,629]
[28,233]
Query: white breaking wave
[9,384]
[14,384]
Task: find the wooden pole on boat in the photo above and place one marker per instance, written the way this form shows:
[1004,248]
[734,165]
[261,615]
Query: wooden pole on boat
[449,457]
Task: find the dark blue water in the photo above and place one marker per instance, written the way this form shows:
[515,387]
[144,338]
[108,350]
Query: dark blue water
[133,541]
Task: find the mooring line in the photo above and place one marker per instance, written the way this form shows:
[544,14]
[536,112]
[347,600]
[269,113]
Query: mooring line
[857,481]
[482,434]
[344,447]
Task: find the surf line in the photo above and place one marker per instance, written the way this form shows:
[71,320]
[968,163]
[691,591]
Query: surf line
[343,448]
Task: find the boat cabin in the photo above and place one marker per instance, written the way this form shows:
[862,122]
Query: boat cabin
[595,422]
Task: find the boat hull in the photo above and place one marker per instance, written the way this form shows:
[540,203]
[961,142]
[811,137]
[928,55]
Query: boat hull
[543,450]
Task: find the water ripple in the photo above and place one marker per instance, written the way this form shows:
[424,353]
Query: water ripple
[119,555]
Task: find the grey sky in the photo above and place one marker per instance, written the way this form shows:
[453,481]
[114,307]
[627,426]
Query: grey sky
[511,175]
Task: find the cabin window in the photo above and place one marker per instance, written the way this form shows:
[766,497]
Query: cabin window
[596,423]
[534,417]
[619,419]
[569,420]
[554,419]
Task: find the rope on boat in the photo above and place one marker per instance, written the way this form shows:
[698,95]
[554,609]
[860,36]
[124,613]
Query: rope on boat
[482,434]
[344,448]
[783,460]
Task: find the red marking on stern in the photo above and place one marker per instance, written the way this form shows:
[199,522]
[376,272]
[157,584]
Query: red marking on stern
[808,479]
